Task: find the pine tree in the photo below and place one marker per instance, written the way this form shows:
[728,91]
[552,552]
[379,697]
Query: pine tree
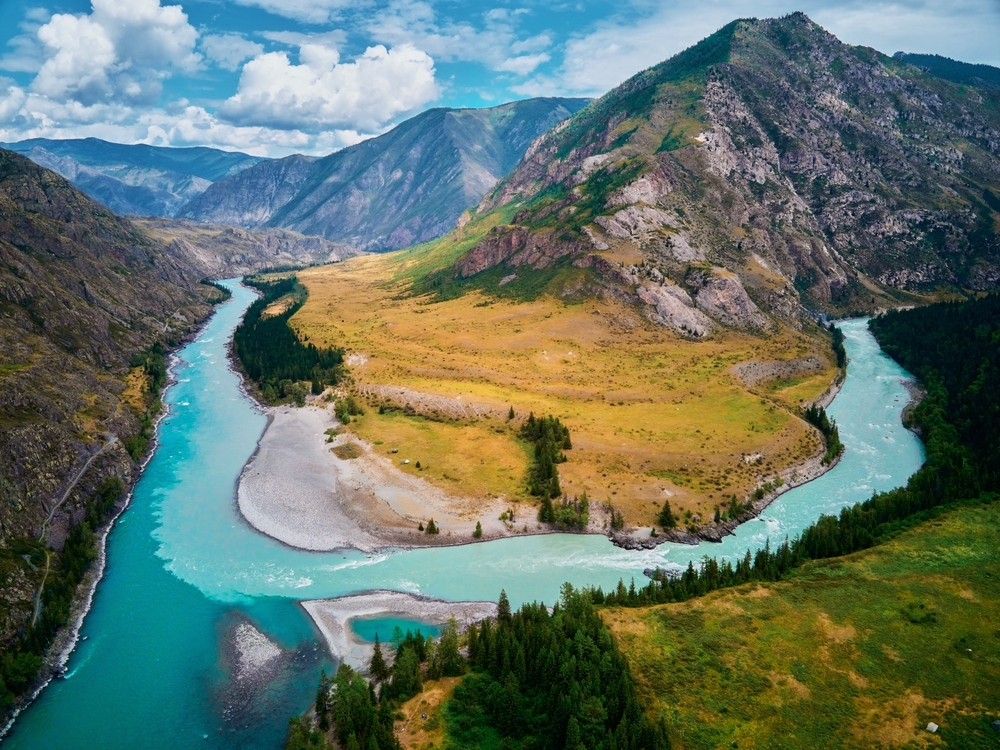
[378,669]
[572,734]
[503,608]
[510,414]
[666,517]
[478,533]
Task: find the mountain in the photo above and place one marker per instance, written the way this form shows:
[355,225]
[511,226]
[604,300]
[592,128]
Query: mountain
[983,76]
[407,186]
[82,292]
[222,252]
[135,179]
[768,169]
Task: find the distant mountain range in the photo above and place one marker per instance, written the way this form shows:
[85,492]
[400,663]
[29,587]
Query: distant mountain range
[404,187]
[135,179]
[766,170]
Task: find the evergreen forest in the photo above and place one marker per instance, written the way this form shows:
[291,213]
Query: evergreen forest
[272,354]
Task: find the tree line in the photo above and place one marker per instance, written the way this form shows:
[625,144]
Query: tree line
[22,659]
[955,349]
[534,679]
[817,417]
[272,354]
[549,680]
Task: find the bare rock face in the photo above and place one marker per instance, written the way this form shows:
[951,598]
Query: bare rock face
[721,295]
[673,307]
[81,292]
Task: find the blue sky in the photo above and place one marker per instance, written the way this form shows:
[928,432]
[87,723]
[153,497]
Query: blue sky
[274,77]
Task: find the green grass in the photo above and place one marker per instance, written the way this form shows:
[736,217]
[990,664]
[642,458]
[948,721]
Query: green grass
[860,651]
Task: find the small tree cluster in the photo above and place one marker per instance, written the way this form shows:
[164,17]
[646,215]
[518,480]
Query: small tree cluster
[568,514]
[817,417]
[550,438]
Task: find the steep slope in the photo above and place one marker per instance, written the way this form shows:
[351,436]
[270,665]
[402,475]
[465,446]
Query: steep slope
[221,252]
[135,179]
[81,293]
[767,168]
[409,185]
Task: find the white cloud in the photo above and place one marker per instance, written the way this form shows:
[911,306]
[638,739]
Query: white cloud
[12,98]
[309,11]
[122,50]
[229,50]
[34,116]
[495,44]
[322,93]
[524,64]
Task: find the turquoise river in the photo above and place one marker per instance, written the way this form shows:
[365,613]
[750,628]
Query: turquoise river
[184,568]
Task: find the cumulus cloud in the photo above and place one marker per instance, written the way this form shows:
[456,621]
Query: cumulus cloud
[26,115]
[322,93]
[121,50]
[229,50]
[12,98]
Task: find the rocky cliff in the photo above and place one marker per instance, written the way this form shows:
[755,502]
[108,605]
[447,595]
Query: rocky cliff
[81,292]
[135,179]
[404,187]
[768,170]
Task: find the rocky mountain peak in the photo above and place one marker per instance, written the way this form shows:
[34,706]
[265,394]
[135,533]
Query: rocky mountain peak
[810,173]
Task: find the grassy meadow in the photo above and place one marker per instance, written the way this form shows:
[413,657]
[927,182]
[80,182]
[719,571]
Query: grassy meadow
[858,651]
[652,416]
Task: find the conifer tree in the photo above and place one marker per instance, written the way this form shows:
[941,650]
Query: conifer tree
[378,669]
[503,609]
[666,517]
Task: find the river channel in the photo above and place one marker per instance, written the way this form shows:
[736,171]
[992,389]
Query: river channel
[184,570]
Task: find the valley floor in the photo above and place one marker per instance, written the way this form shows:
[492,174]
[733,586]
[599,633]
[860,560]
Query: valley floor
[860,651]
[652,416]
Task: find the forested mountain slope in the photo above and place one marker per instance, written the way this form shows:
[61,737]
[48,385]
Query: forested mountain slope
[982,76]
[135,179]
[83,294]
[406,186]
[767,168]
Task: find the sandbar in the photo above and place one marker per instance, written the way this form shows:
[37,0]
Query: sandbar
[333,618]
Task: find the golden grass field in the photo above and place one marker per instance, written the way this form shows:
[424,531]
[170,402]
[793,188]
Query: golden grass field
[855,652]
[652,416]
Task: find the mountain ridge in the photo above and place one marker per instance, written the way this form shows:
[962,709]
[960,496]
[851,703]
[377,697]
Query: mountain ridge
[768,167]
[135,178]
[406,186]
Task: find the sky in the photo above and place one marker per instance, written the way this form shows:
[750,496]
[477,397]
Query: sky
[274,77]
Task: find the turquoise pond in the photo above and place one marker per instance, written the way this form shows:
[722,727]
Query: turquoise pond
[184,570]
[366,629]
